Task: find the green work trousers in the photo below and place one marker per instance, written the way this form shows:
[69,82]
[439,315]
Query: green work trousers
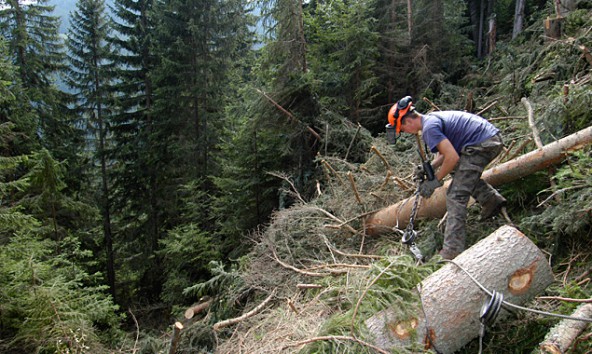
[467,182]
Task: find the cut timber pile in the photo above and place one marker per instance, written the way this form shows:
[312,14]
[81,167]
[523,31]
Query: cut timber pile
[505,261]
[397,215]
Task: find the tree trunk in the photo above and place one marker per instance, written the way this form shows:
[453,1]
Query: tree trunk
[410,20]
[481,25]
[397,215]
[518,18]
[451,302]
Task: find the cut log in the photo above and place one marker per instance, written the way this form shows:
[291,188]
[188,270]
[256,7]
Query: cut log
[506,261]
[397,215]
[194,310]
[561,337]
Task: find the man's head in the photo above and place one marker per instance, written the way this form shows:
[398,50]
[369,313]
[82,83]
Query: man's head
[399,113]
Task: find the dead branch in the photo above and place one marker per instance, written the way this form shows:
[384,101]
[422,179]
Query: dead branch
[557,193]
[566,299]
[355,189]
[375,150]
[389,174]
[353,339]
[309,286]
[352,141]
[333,217]
[402,184]
[293,187]
[506,118]
[135,348]
[253,312]
[520,148]
[290,115]
[326,164]
[338,265]
[431,104]
[300,271]
[507,150]
[292,306]
[367,256]
[487,108]
[535,132]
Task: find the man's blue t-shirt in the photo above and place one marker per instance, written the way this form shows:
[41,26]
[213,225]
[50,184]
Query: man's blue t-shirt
[461,128]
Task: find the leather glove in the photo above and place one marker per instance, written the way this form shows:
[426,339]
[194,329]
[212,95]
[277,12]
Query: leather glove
[427,188]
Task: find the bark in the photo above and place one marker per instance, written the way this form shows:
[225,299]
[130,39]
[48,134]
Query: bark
[410,20]
[518,18]
[397,215]
[450,301]
[561,337]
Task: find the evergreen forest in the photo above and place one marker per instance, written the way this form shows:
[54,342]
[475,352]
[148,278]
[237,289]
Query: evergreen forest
[181,176]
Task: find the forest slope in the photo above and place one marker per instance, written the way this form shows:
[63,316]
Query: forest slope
[321,276]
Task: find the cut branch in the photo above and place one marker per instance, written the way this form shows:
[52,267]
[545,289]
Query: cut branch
[251,313]
[353,185]
[535,131]
[346,338]
[561,337]
[287,266]
[289,115]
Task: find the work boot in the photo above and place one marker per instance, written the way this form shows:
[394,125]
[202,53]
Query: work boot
[492,206]
[448,254]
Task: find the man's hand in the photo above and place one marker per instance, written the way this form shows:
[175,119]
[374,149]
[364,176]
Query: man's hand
[427,188]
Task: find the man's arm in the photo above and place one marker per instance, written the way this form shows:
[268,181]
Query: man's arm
[437,161]
[447,159]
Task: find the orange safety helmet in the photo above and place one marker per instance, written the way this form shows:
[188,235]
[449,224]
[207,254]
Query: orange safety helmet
[398,111]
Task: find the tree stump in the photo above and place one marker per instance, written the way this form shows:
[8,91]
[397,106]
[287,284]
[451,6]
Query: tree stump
[553,27]
[506,261]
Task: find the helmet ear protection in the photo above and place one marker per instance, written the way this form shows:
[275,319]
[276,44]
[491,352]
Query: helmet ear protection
[399,110]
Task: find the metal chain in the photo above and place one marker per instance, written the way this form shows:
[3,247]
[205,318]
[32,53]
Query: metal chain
[410,234]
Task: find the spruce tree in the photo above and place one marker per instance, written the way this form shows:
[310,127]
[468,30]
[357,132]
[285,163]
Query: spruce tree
[89,77]
[37,50]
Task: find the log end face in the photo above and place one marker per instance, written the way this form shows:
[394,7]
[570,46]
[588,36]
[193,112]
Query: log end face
[549,348]
[403,329]
[521,280]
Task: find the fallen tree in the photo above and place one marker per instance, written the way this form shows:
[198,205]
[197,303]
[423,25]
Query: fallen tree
[448,316]
[397,215]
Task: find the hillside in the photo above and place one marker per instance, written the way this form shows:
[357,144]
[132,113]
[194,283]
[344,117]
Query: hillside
[314,275]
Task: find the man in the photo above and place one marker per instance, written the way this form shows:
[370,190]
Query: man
[465,143]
